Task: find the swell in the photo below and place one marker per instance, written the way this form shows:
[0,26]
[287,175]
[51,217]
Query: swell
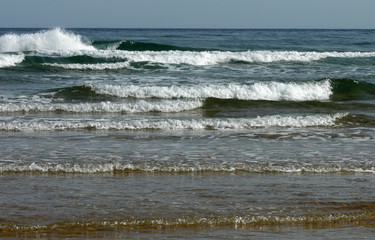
[78,93]
[349,89]
[128,45]
[218,104]
[78,59]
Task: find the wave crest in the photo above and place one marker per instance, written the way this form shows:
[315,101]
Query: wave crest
[104,107]
[203,58]
[48,40]
[326,120]
[272,91]
[10,60]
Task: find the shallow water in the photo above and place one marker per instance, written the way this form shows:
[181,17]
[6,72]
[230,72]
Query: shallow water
[128,133]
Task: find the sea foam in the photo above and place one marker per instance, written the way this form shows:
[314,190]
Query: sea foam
[324,120]
[206,58]
[152,166]
[217,57]
[61,42]
[10,60]
[273,91]
[97,66]
[49,40]
[104,107]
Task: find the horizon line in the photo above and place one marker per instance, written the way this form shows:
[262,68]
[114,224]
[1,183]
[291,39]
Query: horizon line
[189,28]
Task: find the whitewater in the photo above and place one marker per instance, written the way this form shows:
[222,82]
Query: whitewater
[186,133]
[61,43]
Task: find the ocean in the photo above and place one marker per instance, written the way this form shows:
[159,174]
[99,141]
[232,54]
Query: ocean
[187,134]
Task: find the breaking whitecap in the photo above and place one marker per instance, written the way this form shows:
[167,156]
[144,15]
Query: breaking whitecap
[274,91]
[10,60]
[141,106]
[24,124]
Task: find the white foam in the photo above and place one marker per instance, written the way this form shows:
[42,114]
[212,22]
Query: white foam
[107,167]
[172,124]
[97,66]
[104,107]
[55,39]
[10,60]
[217,57]
[273,91]
[212,57]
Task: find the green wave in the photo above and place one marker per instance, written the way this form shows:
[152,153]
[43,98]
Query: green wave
[129,45]
[343,90]
[216,104]
[79,59]
[78,93]
[347,95]
[357,120]
[346,89]
[142,46]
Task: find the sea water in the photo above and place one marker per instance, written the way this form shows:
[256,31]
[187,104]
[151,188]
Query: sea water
[187,133]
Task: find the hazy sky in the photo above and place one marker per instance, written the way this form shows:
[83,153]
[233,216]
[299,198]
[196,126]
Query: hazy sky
[188,13]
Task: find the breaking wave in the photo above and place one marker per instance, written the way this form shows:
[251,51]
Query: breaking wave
[10,60]
[324,120]
[56,39]
[104,107]
[322,90]
[62,44]
[204,58]
[274,91]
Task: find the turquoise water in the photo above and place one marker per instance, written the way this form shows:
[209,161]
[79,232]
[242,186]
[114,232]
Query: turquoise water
[200,133]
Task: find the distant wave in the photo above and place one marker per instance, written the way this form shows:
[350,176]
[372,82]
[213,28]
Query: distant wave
[204,58]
